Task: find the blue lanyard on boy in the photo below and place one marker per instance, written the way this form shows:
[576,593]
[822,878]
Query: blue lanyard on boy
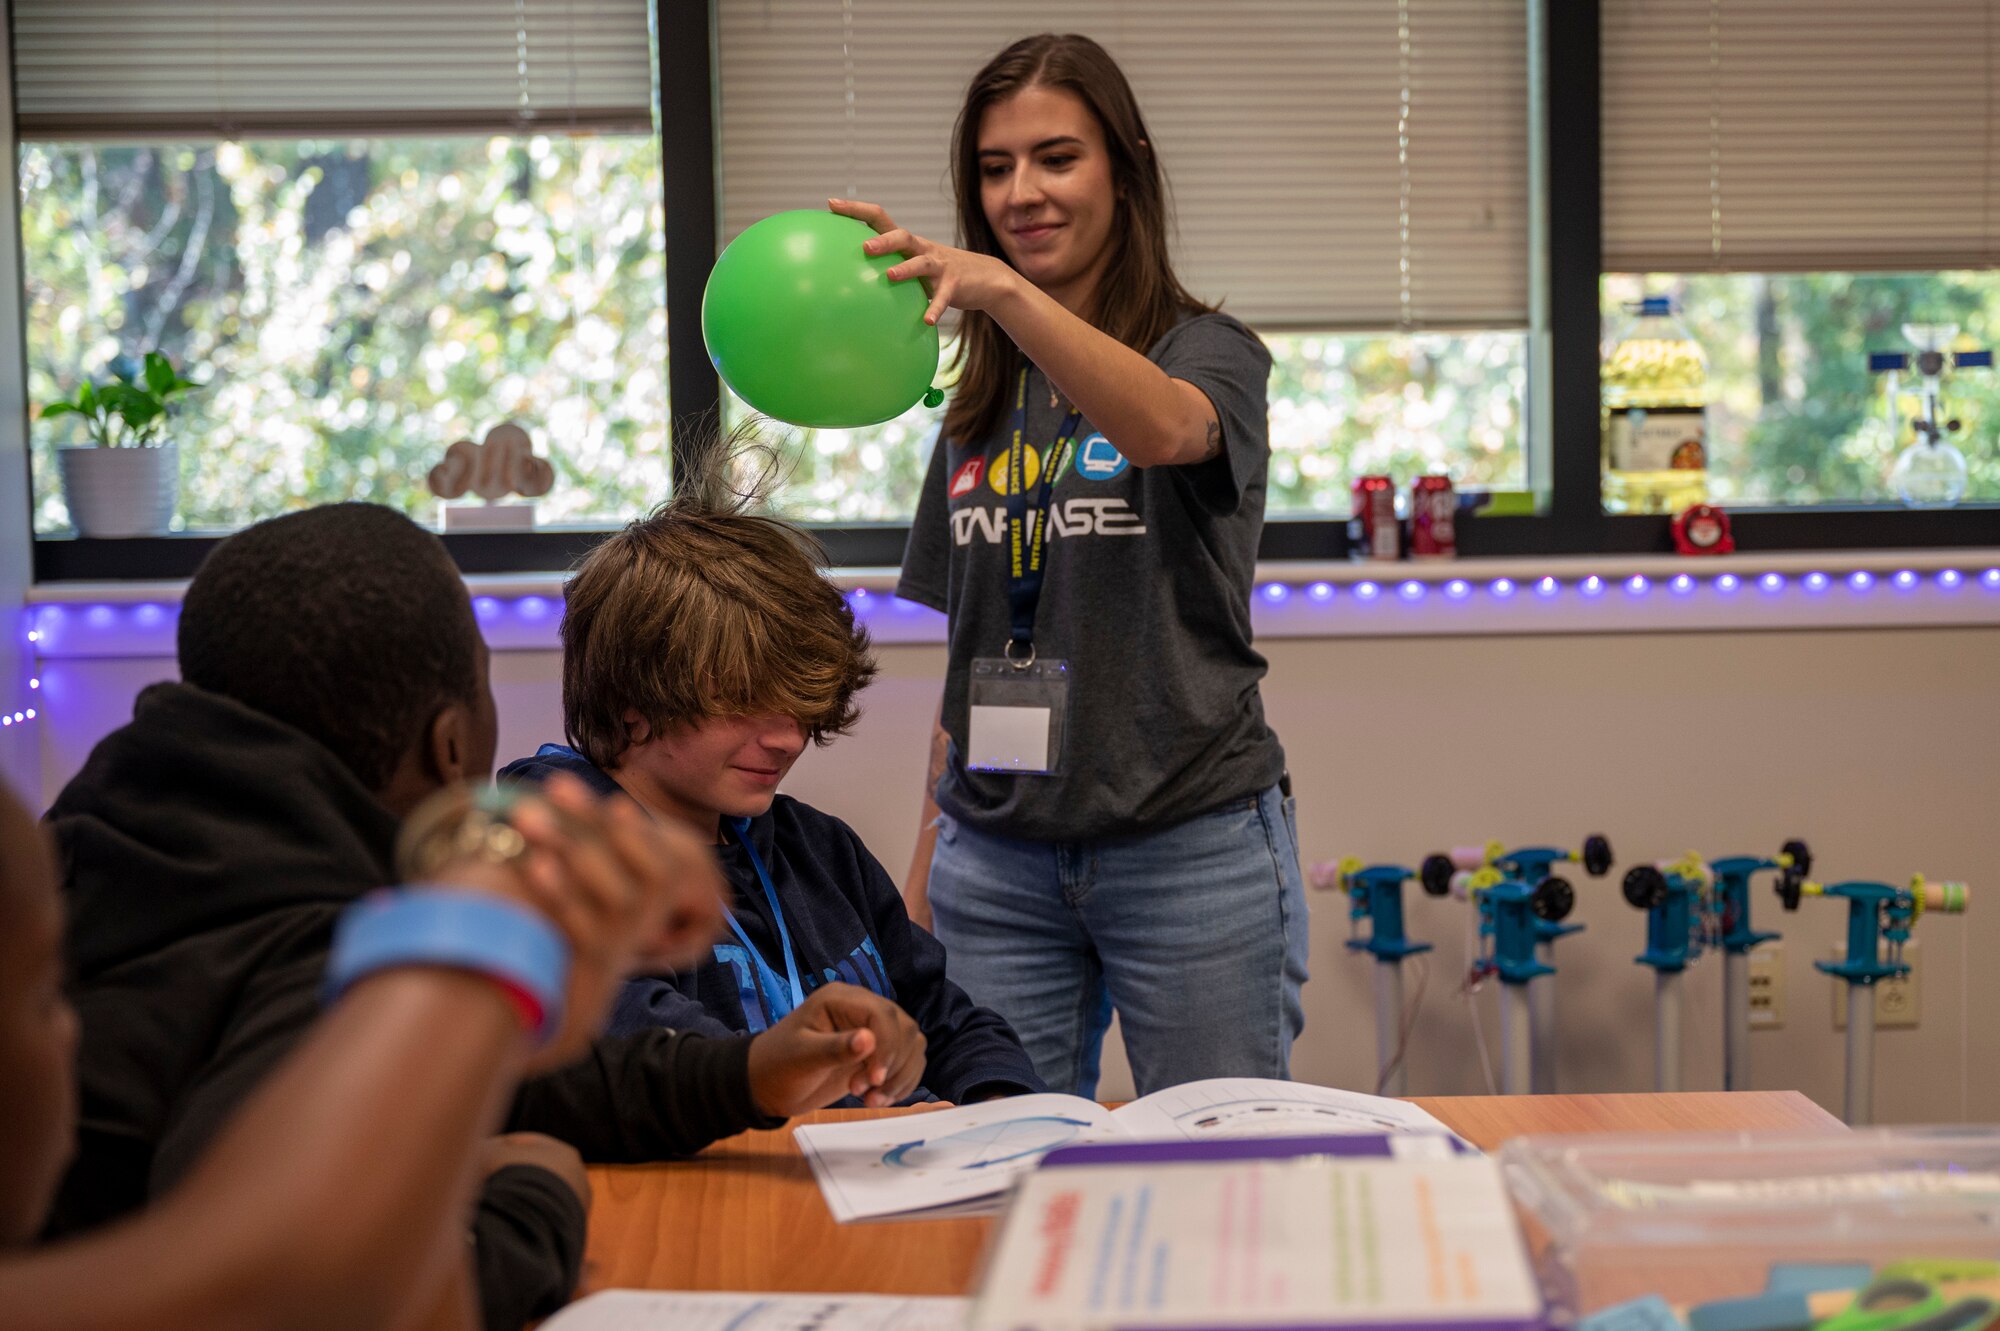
[1027,529]
[741,826]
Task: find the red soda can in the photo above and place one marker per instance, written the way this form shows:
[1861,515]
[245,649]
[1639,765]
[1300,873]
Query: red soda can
[1374,530]
[1433,509]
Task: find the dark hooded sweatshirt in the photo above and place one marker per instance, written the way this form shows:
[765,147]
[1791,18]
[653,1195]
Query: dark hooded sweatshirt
[207,850]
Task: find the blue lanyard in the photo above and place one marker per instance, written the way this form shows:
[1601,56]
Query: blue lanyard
[741,827]
[1027,530]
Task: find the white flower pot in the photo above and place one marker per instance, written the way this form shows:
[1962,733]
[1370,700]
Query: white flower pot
[121,491]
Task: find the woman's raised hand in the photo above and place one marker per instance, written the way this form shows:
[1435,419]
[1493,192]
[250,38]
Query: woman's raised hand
[952,278]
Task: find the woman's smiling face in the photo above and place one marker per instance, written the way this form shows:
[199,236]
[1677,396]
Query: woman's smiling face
[1045,183]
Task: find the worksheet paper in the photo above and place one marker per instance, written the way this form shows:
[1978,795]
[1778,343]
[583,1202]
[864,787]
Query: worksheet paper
[648,1310]
[1315,1241]
[962,1161]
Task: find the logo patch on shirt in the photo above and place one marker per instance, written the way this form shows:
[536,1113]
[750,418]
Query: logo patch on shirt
[1031,469]
[967,479]
[1097,460]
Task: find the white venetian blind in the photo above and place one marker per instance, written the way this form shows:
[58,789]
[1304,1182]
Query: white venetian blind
[234,68]
[1794,135]
[1309,193]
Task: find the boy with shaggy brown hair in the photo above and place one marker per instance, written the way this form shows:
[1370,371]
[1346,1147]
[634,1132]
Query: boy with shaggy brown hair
[702,648]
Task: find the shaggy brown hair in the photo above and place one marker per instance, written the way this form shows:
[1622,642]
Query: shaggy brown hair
[703,609]
[1138,297]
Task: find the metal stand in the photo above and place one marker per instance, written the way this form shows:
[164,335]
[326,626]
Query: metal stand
[1518,907]
[1542,1022]
[1879,918]
[1735,1021]
[1375,894]
[1667,1030]
[1516,1041]
[1389,1026]
[1860,1101]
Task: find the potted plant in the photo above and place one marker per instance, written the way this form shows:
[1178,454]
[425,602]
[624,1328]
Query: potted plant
[126,480]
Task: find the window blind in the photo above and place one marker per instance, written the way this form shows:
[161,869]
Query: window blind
[1800,135]
[1309,192]
[238,68]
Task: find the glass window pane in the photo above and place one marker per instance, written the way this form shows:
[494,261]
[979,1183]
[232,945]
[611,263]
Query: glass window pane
[1401,405]
[1794,414]
[352,307]
[1341,406]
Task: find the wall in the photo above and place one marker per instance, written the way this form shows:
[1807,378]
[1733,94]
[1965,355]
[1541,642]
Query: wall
[1880,747]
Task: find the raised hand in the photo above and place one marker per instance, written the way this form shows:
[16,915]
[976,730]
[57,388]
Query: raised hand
[952,278]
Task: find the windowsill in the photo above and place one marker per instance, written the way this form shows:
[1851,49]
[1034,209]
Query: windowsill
[1543,594]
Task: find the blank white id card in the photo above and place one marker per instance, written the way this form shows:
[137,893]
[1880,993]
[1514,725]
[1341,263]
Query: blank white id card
[1018,715]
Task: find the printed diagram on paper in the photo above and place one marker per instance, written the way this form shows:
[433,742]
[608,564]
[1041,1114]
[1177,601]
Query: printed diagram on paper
[961,1161]
[1247,1107]
[987,1146]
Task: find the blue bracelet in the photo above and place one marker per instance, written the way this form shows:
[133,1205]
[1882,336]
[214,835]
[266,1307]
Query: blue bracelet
[440,925]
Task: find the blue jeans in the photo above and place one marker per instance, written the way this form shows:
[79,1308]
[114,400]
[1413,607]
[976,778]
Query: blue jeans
[1196,933]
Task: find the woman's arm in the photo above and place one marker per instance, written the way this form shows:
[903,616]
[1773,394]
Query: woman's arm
[917,883]
[1153,419]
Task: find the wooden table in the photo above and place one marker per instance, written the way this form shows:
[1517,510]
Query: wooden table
[747,1215]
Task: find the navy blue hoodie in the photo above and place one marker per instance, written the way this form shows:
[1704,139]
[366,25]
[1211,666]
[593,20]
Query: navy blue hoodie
[847,923]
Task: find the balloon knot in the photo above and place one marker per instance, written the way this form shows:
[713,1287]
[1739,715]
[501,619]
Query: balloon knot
[933,397]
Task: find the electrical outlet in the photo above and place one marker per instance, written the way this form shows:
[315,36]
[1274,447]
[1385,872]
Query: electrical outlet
[1895,1000]
[1767,986]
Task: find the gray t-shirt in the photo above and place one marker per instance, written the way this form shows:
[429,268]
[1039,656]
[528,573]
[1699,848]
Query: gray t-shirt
[1146,595]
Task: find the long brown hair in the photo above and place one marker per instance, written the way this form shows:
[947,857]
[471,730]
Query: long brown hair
[1138,298]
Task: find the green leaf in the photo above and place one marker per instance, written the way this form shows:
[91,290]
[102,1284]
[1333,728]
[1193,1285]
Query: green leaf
[160,376]
[135,406]
[60,409]
[86,398]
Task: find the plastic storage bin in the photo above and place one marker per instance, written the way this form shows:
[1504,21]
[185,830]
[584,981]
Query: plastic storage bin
[1695,1217]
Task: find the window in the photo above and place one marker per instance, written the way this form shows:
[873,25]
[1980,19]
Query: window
[1350,179]
[353,306]
[1794,414]
[366,236]
[1805,178]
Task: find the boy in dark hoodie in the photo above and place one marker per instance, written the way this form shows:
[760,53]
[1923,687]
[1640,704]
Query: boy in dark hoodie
[702,648]
[334,1200]
[334,676]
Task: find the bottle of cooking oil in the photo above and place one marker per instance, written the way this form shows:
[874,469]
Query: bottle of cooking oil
[1655,384]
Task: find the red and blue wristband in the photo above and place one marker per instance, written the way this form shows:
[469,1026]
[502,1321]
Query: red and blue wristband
[439,925]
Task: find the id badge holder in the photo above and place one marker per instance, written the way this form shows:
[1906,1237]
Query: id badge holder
[1018,715]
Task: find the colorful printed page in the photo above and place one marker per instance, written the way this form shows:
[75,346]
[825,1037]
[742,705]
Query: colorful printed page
[1318,1241]
[646,1310]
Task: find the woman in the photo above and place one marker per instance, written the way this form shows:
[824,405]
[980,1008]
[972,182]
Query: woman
[1115,828]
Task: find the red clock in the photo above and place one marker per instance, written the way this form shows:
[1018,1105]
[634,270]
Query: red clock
[1703,530]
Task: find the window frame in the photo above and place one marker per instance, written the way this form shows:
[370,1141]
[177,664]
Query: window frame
[1571,520]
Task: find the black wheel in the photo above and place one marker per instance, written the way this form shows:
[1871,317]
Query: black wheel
[1435,874]
[1645,886]
[1596,856]
[1554,899]
[1790,888]
[1801,858]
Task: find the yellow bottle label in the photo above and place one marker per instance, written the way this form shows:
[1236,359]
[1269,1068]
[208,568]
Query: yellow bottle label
[1656,439]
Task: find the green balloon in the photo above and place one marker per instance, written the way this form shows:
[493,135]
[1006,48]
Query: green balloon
[806,328]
